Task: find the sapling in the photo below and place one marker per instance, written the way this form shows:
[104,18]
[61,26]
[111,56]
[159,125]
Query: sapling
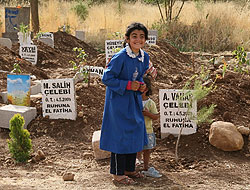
[19,145]
[241,60]
[80,66]
[200,90]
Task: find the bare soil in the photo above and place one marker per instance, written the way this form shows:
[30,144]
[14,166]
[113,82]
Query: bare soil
[67,144]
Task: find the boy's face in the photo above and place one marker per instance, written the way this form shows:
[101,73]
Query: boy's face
[136,40]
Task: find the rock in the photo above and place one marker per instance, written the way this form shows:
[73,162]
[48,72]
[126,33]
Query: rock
[99,154]
[225,136]
[226,116]
[243,130]
[38,156]
[68,177]
[80,114]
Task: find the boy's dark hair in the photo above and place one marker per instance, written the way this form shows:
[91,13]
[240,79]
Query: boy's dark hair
[148,84]
[136,26]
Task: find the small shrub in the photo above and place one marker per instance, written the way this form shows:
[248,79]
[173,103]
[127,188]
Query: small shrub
[19,145]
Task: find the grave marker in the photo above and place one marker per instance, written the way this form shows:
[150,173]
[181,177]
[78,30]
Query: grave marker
[29,53]
[172,112]
[80,35]
[152,37]
[58,97]
[18,89]
[13,18]
[111,46]
[6,42]
[47,38]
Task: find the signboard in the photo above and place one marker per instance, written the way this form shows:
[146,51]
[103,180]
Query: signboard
[95,70]
[18,90]
[58,97]
[47,38]
[174,105]
[151,40]
[111,47]
[15,16]
[29,53]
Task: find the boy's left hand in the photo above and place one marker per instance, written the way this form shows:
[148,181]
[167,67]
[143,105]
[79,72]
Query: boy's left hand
[142,87]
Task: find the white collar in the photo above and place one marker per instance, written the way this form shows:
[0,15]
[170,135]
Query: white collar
[132,55]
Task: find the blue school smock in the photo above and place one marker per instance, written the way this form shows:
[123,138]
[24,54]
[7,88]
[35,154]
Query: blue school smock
[123,129]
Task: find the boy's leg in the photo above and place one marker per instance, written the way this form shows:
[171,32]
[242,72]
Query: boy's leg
[146,157]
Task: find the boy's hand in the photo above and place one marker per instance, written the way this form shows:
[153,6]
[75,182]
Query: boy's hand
[142,87]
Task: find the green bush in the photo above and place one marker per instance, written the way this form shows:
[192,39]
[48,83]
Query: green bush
[19,145]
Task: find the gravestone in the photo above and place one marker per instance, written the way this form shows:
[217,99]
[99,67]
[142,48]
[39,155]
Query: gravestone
[152,37]
[111,47]
[174,107]
[47,38]
[58,97]
[29,53]
[80,35]
[6,42]
[18,88]
[13,18]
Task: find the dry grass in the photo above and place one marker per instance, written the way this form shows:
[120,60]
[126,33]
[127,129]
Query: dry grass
[220,21]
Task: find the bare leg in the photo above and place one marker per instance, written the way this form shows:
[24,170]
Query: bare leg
[146,157]
[138,156]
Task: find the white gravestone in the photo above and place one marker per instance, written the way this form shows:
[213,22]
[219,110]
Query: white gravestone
[29,53]
[6,42]
[152,37]
[111,46]
[173,112]
[47,38]
[151,40]
[58,97]
[80,35]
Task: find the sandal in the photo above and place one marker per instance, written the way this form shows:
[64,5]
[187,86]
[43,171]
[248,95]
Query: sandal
[135,175]
[125,181]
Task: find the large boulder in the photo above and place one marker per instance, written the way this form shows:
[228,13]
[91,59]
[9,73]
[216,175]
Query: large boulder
[225,136]
[99,154]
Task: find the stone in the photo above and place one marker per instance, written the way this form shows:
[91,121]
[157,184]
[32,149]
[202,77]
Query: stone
[98,153]
[68,177]
[35,88]
[243,130]
[13,18]
[8,111]
[225,136]
[4,96]
[80,35]
[6,42]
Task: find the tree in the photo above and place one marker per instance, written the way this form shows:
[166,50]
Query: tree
[34,15]
[168,7]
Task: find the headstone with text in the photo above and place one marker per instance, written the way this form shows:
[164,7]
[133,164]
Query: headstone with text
[111,46]
[47,38]
[174,107]
[152,37]
[29,53]
[58,97]
[14,17]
